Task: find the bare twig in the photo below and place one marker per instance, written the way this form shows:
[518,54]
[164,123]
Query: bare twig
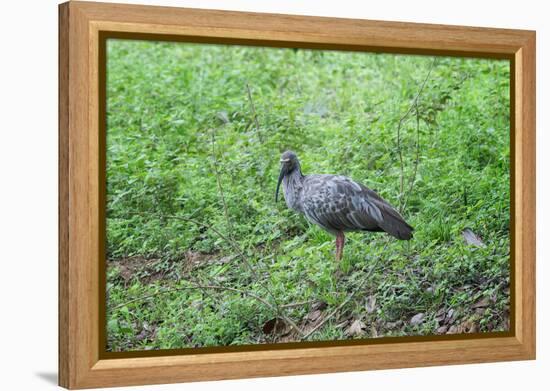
[272,307]
[254,115]
[237,248]
[346,301]
[298,304]
[401,165]
[400,125]
[417,160]
[220,187]
[215,230]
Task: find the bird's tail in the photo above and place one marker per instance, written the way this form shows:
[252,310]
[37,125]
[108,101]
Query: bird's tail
[395,225]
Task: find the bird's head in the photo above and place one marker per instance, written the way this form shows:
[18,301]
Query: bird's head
[289,162]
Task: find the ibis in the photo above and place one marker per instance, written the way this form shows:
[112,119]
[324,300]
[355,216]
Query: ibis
[338,204]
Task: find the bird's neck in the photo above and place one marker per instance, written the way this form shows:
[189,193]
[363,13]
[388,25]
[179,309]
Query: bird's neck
[292,187]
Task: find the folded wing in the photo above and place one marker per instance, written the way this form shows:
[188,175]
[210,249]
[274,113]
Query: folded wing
[338,203]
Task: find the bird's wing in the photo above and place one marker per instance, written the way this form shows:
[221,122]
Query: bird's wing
[338,203]
[392,222]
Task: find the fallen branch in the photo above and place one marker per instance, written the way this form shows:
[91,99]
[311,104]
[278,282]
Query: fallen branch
[272,307]
[346,301]
[298,304]
[236,247]
[208,227]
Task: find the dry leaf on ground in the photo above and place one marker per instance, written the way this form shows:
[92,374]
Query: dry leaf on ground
[417,319]
[356,328]
[471,238]
[370,305]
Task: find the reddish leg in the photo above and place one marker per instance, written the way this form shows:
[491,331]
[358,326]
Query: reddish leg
[340,239]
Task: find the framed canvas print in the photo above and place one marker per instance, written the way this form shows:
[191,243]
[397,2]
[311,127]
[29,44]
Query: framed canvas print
[247,195]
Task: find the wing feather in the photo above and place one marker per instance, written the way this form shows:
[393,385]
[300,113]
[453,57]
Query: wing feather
[338,203]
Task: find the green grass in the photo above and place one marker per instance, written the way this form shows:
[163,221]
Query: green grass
[182,142]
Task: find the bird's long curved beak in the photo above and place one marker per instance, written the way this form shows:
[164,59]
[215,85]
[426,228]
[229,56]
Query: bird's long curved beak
[281,176]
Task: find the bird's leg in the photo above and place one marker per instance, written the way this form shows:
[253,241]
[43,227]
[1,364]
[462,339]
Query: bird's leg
[340,239]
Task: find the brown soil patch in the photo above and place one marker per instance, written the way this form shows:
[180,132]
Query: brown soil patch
[149,270]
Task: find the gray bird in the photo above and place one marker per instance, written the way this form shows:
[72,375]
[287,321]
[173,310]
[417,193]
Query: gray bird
[337,203]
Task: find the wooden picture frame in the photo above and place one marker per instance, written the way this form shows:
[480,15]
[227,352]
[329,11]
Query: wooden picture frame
[83,27]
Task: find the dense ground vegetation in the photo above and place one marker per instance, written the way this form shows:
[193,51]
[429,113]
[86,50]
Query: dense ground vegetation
[199,254]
